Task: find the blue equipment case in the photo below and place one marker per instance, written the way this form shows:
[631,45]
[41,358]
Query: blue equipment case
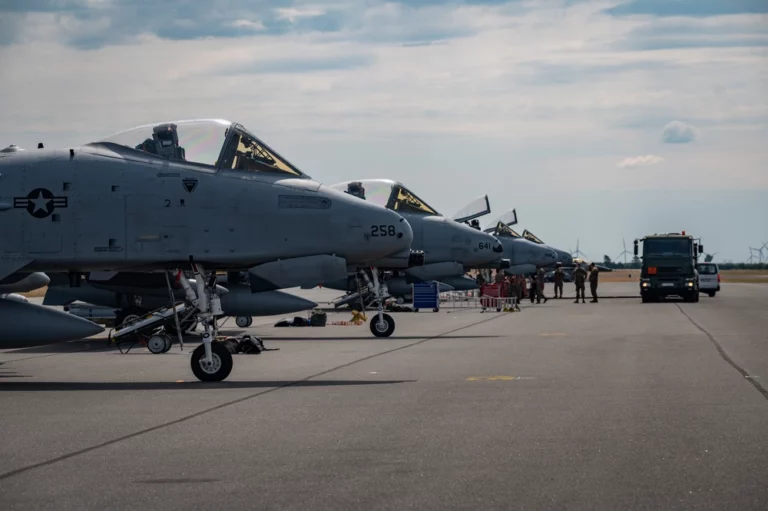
[426,295]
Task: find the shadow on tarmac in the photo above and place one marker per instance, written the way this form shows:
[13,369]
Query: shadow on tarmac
[100,345]
[185,385]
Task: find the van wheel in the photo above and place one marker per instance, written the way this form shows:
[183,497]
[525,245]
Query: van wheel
[712,294]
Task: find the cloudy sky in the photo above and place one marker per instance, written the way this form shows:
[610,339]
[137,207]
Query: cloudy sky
[598,120]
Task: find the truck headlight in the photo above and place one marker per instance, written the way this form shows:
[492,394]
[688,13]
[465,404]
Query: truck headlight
[689,284]
[645,283]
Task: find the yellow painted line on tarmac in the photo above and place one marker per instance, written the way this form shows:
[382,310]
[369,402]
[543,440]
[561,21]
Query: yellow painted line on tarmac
[498,378]
[554,334]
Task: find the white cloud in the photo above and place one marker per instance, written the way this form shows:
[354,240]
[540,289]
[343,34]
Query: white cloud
[292,13]
[640,161]
[253,25]
[526,86]
[677,132]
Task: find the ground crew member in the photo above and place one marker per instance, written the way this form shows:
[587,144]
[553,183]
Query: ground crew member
[593,271]
[519,281]
[532,288]
[579,277]
[499,278]
[540,286]
[559,278]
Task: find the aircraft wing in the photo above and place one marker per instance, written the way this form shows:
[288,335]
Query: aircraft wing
[475,209]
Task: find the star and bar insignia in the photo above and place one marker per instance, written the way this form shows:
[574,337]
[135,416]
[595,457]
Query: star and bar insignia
[40,203]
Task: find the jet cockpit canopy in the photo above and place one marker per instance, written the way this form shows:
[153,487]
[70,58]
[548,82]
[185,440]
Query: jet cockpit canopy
[532,237]
[387,193]
[503,229]
[215,143]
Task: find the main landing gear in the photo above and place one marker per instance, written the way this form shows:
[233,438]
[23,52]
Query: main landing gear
[211,361]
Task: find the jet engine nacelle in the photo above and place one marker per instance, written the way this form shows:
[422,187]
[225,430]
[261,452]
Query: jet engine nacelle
[296,272]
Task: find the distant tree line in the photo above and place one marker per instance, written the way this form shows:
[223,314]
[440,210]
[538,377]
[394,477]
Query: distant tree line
[636,263]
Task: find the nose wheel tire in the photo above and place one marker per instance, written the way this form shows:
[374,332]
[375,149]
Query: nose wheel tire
[158,343]
[384,327]
[218,369]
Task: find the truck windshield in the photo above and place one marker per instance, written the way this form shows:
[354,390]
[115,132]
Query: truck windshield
[667,248]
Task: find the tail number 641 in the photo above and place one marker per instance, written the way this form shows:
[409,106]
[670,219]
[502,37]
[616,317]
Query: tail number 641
[382,230]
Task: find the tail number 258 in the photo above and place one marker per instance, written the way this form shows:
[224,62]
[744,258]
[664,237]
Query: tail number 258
[382,230]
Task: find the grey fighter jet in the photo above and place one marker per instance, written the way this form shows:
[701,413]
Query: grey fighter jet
[565,258]
[450,248]
[524,255]
[204,195]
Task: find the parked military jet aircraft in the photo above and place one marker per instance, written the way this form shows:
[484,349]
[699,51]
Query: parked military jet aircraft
[204,195]
[449,247]
[524,256]
[563,257]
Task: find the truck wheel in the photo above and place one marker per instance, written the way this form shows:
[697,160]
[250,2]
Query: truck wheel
[645,298]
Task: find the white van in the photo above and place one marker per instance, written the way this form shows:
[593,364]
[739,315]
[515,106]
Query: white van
[709,278]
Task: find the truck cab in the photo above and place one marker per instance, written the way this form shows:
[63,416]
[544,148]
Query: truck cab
[669,267]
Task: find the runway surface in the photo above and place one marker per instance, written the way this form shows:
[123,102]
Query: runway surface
[615,405]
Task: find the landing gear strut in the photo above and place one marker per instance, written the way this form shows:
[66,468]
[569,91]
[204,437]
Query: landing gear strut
[382,325]
[210,361]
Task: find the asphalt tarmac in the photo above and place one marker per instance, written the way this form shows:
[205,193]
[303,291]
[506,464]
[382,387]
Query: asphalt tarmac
[615,405]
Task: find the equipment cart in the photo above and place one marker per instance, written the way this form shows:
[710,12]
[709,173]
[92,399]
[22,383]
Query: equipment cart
[426,295]
[147,328]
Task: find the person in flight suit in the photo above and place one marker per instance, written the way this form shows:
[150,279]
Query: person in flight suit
[540,286]
[559,278]
[593,271]
[579,277]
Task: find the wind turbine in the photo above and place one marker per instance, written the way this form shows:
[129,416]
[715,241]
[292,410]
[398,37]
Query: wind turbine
[625,253]
[578,252]
[751,259]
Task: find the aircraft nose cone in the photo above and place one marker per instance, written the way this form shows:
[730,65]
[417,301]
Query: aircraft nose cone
[404,231]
